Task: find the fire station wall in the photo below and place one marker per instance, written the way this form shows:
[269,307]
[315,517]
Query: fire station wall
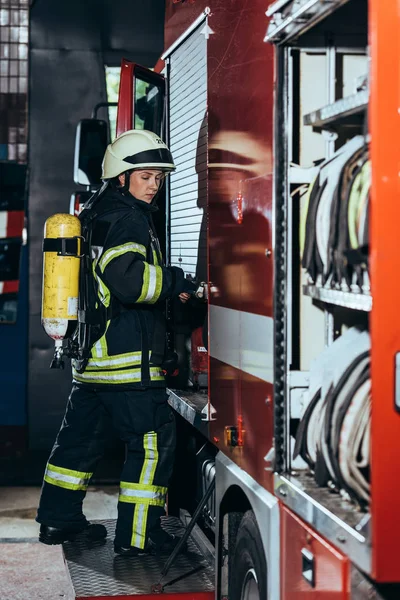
[70,44]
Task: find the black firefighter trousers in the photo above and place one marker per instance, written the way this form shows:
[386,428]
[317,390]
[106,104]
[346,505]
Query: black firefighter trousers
[145,422]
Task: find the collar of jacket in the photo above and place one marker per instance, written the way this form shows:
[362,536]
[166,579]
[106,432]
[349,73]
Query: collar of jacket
[144,206]
[113,199]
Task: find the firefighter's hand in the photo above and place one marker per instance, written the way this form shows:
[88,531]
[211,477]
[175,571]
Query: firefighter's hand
[184,297]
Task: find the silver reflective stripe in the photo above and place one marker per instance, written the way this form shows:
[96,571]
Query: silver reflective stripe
[152,283]
[151,457]
[98,348]
[67,478]
[141,511]
[119,376]
[99,376]
[103,291]
[134,358]
[146,478]
[142,494]
[119,251]
[96,252]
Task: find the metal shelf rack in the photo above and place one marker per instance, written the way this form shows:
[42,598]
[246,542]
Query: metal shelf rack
[290,19]
[347,111]
[350,300]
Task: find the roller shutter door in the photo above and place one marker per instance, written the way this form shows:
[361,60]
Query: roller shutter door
[188,143]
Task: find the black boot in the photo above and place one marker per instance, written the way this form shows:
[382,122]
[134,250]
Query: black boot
[158,542]
[52,535]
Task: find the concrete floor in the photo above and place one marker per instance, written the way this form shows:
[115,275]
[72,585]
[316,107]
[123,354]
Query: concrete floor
[30,570]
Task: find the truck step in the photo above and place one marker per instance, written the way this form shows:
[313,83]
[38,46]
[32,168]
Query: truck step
[97,572]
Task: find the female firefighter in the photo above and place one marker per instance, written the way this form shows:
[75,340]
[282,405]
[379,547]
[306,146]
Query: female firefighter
[122,380]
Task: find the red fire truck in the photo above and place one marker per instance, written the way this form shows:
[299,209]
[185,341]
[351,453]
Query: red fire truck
[281,119]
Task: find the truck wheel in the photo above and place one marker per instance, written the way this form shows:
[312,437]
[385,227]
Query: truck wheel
[248,580]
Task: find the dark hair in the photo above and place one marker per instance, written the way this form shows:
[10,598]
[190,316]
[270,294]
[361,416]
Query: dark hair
[116,184]
[124,188]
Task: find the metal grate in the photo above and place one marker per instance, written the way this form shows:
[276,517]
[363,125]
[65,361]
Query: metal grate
[14,34]
[97,572]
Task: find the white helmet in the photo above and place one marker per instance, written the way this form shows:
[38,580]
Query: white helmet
[136,149]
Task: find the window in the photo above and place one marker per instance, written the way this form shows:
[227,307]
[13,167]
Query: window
[112,84]
[14,31]
[149,104]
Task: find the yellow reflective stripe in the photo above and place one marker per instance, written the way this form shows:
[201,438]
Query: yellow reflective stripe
[126,376]
[67,478]
[99,349]
[152,284]
[150,458]
[154,496]
[64,471]
[112,253]
[140,499]
[144,487]
[145,286]
[139,525]
[103,341]
[134,492]
[159,282]
[146,478]
[66,484]
[129,359]
[155,257]
[156,374]
[117,376]
[104,292]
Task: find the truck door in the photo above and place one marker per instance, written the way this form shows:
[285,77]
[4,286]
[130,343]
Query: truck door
[141,102]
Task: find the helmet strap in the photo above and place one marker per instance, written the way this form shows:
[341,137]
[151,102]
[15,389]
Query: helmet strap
[125,187]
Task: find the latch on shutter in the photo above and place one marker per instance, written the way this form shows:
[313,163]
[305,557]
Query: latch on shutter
[308,566]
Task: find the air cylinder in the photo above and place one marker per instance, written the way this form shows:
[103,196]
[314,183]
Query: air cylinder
[61,263]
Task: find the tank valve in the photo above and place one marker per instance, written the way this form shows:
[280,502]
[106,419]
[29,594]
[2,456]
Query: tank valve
[57,362]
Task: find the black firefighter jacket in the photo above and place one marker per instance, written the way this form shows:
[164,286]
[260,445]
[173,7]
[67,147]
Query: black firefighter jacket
[131,284]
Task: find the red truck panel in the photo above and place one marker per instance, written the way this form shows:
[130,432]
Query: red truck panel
[240,89]
[240,129]
[331,568]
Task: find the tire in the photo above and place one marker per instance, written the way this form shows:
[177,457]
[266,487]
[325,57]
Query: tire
[248,577]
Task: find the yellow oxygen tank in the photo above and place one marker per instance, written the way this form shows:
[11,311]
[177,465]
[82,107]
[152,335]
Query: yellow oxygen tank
[61,263]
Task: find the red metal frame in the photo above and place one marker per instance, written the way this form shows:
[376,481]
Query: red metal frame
[385,283]
[125,100]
